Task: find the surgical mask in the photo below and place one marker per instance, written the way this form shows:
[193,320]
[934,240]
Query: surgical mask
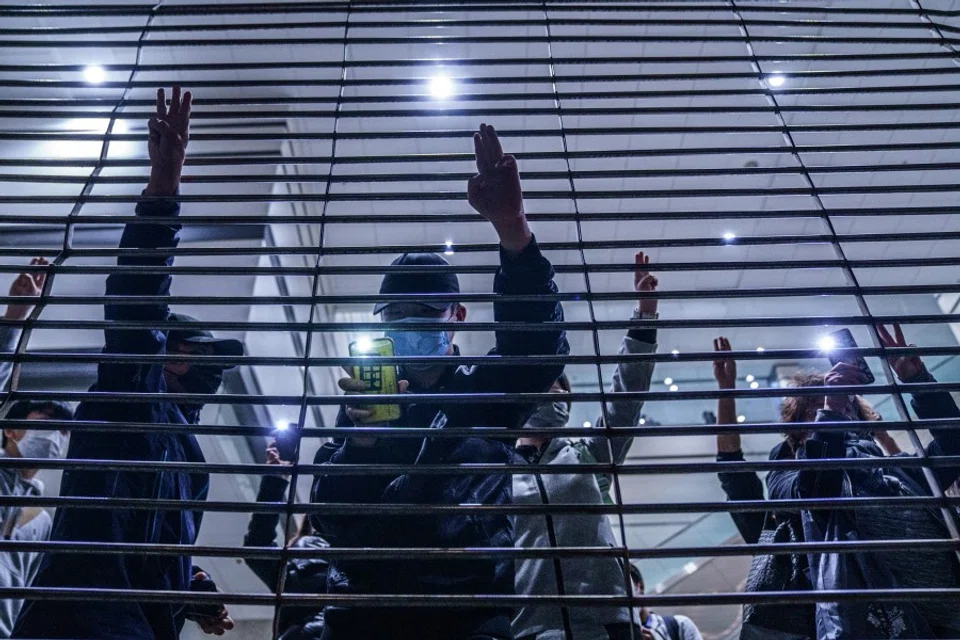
[554,415]
[37,443]
[420,343]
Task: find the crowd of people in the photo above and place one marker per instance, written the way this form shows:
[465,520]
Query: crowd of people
[459,508]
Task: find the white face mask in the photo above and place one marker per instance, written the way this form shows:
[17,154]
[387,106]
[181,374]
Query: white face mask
[38,443]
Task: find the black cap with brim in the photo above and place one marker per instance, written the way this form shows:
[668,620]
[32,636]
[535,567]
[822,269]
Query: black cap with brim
[421,282]
[196,335]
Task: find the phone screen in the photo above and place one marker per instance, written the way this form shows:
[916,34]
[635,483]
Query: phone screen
[844,339]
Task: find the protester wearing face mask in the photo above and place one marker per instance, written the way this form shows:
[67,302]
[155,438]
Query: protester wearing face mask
[105,619]
[495,193]
[27,524]
[583,576]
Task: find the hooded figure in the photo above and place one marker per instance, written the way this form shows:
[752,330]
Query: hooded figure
[117,618]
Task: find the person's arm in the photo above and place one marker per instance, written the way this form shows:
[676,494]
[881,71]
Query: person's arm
[629,375]
[737,485]
[495,193]
[168,135]
[929,405]
[350,530]
[688,630]
[26,284]
[262,529]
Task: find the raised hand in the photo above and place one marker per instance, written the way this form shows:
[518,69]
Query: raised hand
[906,367]
[644,282]
[495,191]
[724,370]
[26,284]
[169,132]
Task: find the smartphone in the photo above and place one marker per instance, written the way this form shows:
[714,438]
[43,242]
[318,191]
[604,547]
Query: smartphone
[380,379]
[287,440]
[844,339]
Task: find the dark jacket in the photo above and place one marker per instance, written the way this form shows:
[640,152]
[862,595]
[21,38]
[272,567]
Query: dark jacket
[303,575]
[529,273]
[908,569]
[107,619]
[743,485]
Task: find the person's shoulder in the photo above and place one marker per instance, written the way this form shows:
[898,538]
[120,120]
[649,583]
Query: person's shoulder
[686,622]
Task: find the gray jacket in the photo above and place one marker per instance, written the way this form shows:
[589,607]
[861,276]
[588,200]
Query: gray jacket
[28,524]
[581,576]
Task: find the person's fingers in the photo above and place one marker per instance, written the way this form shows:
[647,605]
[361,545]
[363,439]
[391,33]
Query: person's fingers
[901,341]
[490,147]
[716,344]
[479,153]
[201,575]
[885,336]
[228,623]
[726,344]
[496,149]
[186,105]
[654,283]
[161,104]
[175,101]
[402,386]
[352,384]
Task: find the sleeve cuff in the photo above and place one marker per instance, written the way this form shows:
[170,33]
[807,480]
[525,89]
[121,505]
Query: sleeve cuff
[730,456]
[643,335]
[524,272]
[923,376]
[158,207]
[272,488]
[351,453]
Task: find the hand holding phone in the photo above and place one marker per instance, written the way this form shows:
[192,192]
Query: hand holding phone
[287,440]
[843,339]
[375,378]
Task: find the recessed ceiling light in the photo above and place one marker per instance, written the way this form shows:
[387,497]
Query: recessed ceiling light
[729,236]
[741,419]
[674,387]
[690,568]
[586,425]
[754,385]
[750,377]
[643,421]
[94,74]
[760,349]
[668,381]
[441,87]
[776,80]
[675,352]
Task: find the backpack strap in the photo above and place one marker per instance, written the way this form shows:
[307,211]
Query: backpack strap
[673,627]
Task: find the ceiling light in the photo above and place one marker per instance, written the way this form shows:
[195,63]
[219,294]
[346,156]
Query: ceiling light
[750,377]
[441,87]
[741,419]
[587,425]
[776,80]
[754,385]
[827,343]
[760,349]
[659,587]
[674,387]
[668,381]
[94,74]
[690,568]
[643,421]
[675,352]
[729,236]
